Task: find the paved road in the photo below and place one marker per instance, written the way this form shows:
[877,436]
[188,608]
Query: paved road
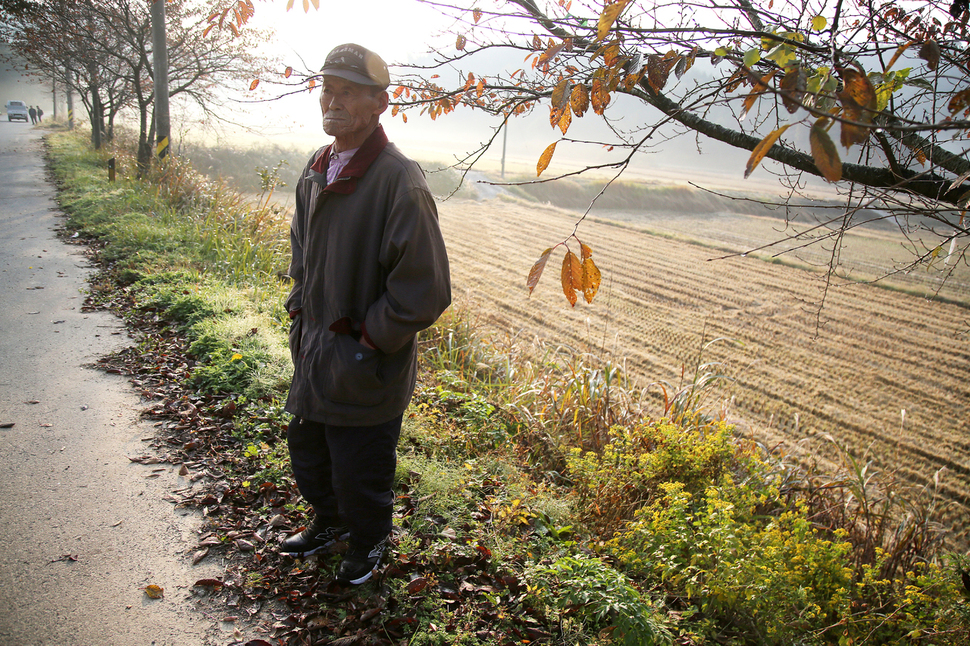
[82,529]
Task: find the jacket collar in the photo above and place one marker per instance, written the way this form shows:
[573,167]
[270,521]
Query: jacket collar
[346,182]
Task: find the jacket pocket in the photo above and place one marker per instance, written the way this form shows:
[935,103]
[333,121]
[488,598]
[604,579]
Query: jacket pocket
[355,373]
[296,332]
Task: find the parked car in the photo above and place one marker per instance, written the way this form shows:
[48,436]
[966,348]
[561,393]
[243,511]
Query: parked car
[17,110]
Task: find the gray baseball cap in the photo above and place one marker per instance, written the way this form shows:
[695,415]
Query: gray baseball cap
[357,64]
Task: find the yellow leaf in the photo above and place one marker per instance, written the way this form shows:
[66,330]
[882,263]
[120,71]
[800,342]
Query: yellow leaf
[579,99]
[306,6]
[572,277]
[751,57]
[154,591]
[758,89]
[551,52]
[545,158]
[859,88]
[316,4]
[819,23]
[610,13]
[565,120]
[536,272]
[252,86]
[824,153]
[289,5]
[591,278]
[599,95]
[899,52]
[585,250]
[762,149]
[559,94]
[235,357]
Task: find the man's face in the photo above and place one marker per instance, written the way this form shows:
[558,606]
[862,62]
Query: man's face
[350,111]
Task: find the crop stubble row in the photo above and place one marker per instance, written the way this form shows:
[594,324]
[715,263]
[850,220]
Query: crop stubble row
[847,373]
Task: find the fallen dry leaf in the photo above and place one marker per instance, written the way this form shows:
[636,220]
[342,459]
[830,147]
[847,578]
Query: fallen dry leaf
[154,591]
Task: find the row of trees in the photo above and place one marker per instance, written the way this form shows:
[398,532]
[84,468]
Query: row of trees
[102,51]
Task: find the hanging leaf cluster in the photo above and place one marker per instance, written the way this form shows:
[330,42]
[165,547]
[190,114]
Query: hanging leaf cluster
[232,17]
[579,274]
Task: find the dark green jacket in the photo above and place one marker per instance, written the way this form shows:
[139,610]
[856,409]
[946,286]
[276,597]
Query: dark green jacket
[368,260]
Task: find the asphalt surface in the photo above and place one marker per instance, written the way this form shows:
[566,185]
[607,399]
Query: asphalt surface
[83,530]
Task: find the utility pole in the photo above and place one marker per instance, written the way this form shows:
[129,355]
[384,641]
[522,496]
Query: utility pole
[505,140]
[163,125]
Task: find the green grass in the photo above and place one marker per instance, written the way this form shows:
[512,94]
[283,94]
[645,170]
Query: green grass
[607,519]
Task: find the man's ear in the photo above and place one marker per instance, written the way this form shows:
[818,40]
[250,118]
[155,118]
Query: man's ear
[384,100]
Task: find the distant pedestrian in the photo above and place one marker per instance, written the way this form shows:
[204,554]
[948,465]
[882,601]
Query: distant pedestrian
[33,114]
[40,115]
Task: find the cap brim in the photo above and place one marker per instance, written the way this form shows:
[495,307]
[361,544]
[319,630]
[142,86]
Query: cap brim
[354,77]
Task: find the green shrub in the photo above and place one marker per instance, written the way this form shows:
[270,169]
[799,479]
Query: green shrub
[767,580]
[584,590]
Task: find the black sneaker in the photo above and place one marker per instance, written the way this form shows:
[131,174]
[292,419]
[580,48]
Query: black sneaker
[359,563]
[319,535]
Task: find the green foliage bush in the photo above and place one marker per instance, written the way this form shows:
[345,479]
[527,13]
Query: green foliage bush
[583,589]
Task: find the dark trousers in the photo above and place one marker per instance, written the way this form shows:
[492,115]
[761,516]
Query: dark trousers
[347,473]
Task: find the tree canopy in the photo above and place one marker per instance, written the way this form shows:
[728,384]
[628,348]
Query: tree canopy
[879,92]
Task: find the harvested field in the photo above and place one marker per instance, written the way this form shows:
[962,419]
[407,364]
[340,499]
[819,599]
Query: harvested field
[847,372]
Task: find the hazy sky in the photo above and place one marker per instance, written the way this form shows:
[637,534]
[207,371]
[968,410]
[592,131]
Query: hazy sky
[403,32]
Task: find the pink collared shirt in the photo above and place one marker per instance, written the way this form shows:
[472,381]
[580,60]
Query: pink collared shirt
[337,163]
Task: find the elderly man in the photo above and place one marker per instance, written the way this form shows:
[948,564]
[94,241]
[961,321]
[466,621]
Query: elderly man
[369,272]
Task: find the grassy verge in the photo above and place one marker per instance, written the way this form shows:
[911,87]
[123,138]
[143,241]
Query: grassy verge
[540,499]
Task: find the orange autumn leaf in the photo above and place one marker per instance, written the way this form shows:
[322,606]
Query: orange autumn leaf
[610,13]
[762,149]
[536,272]
[824,152]
[591,279]
[154,592]
[579,99]
[545,158]
[572,277]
